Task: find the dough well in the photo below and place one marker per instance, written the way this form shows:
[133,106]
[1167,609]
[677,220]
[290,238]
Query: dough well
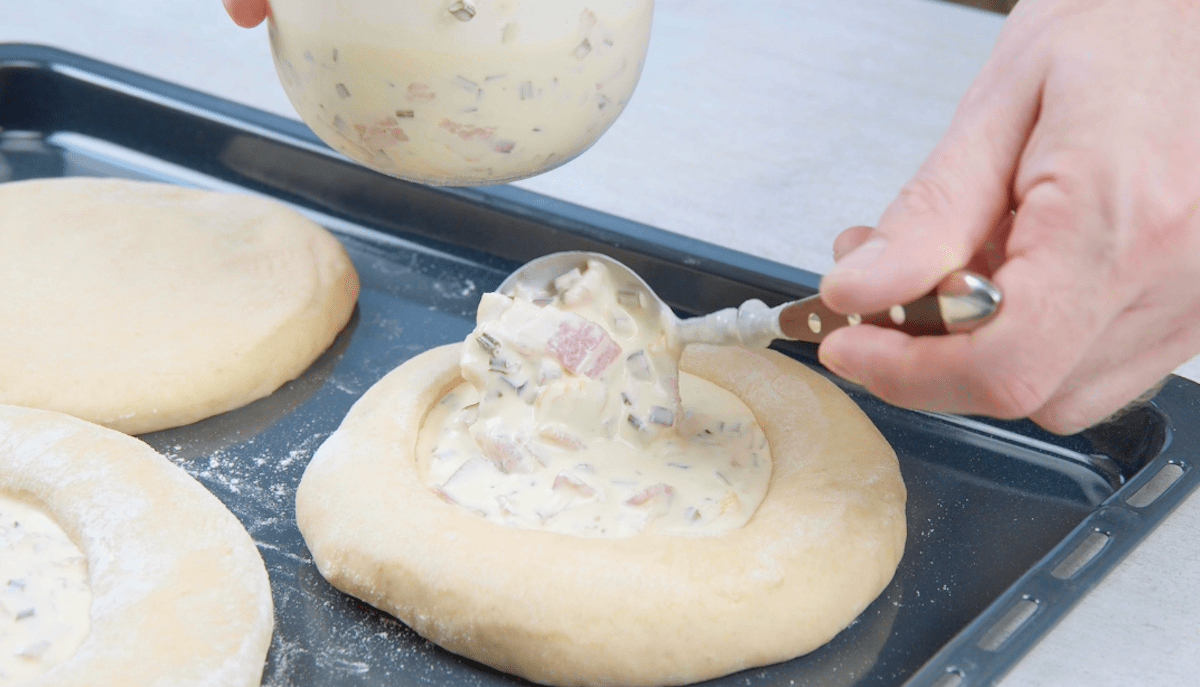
[643,610]
[180,595]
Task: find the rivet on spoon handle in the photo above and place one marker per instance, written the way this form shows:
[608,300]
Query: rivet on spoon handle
[961,302]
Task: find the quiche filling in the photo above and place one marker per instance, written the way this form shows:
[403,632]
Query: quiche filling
[44,592]
[574,418]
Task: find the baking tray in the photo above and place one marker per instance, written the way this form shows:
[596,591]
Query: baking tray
[1008,526]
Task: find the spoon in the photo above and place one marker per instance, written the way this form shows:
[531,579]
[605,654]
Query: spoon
[960,302]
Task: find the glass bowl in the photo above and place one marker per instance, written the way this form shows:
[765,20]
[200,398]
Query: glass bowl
[459,92]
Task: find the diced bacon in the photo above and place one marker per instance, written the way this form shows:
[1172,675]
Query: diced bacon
[571,343]
[420,92]
[504,453]
[565,480]
[587,21]
[468,132]
[560,437]
[473,469]
[609,350]
[33,651]
[652,492]
[574,342]
[446,492]
[382,134]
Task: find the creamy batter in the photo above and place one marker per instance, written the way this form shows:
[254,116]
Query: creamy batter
[499,90]
[571,420]
[44,592]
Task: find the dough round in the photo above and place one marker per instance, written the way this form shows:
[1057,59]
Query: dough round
[180,595]
[142,306]
[642,610]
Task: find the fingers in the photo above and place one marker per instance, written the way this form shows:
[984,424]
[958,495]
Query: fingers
[848,240]
[945,376]
[1073,412]
[891,365]
[944,214]
[1140,348]
[1101,290]
[1076,407]
[1056,304]
[955,212]
[246,13]
[987,259]
[972,373]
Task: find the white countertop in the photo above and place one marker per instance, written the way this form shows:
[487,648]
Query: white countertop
[766,126]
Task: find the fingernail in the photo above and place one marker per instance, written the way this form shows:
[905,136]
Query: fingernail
[862,256]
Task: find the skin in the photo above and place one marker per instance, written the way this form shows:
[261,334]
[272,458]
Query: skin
[246,13]
[1069,176]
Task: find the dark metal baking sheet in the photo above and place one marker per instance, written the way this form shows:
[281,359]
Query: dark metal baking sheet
[1008,526]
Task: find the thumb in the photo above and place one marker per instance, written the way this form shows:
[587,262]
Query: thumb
[944,214]
[848,240]
[246,13]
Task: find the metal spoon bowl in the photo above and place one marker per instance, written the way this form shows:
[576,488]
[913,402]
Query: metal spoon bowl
[537,277]
[961,302]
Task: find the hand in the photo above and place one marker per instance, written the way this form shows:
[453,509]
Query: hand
[246,13]
[1070,174]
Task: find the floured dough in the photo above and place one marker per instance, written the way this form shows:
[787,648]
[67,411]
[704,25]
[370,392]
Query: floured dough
[641,610]
[180,595]
[142,306]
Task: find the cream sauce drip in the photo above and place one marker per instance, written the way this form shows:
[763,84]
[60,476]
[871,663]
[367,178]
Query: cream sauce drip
[44,592]
[571,420]
[411,90]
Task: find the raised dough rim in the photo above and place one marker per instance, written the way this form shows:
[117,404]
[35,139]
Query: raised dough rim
[92,501]
[363,521]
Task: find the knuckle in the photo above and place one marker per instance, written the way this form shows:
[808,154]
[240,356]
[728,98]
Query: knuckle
[1011,394]
[1067,417]
[1049,215]
[925,194]
[1172,225]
